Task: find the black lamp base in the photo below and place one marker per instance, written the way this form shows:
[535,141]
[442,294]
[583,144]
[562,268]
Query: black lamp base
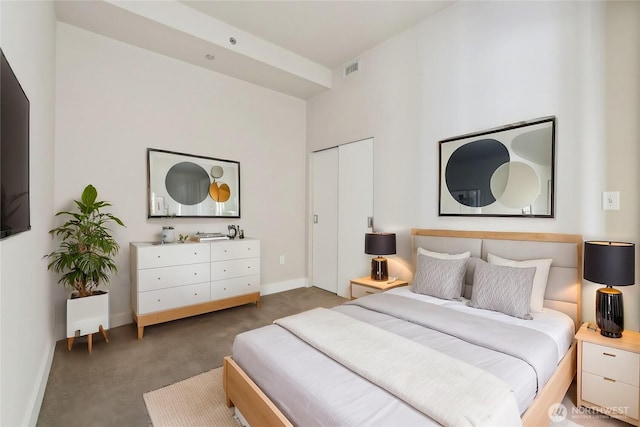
[379,271]
[609,312]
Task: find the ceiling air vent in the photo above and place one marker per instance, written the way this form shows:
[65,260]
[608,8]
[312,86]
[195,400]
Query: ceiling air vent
[351,68]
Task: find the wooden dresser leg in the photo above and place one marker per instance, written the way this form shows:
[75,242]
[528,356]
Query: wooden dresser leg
[70,342]
[90,342]
[140,332]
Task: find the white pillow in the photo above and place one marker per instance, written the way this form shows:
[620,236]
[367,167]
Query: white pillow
[539,281]
[442,255]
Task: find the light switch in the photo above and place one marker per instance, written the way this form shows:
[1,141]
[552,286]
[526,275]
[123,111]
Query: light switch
[611,200]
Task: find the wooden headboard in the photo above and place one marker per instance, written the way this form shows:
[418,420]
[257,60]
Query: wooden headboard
[565,275]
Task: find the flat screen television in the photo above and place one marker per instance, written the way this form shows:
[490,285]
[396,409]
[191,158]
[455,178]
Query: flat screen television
[14,154]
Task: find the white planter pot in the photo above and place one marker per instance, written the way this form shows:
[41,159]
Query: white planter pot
[86,315]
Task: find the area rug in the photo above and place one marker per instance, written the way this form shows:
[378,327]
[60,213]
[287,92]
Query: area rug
[196,401]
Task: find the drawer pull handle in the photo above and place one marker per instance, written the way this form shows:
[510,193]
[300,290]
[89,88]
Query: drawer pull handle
[196,294]
[158,256]
[158,300]
[158,278]
[609,354]
[195,274]
[609,379]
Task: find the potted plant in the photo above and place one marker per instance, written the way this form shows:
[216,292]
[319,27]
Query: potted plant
[85,259]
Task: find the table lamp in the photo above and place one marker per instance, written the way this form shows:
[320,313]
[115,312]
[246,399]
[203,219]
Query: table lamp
[610,264]
[379,244]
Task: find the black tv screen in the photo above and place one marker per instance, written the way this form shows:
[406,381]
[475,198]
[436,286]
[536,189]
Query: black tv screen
[14,154]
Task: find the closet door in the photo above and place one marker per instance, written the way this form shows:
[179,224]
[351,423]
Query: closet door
[325,220]
[342,205]
[355,206]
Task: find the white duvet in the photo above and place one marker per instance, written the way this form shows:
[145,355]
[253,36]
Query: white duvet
[311,389]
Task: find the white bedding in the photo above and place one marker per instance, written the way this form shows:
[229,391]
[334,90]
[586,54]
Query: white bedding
[448,390]
[558,326]
[311,389]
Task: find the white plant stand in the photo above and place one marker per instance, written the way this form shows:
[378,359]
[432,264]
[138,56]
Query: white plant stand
[87,316]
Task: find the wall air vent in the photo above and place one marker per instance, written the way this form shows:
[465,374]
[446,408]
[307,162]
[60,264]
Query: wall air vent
[351,68]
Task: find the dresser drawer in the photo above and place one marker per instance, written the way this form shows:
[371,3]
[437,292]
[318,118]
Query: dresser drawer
[613,396]
[235,268]
[169,277]
[233,287]
[225,250]
[172,254]
[619,365]
[359,291]
[165,299]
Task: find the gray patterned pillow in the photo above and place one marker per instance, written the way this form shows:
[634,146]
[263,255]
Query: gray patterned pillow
[441,278]
[503,289]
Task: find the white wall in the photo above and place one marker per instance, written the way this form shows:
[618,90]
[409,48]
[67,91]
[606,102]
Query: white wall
[27,37]
[115,100]
[475,66]
[623,139]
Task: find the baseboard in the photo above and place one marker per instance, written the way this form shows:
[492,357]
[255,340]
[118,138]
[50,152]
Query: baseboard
[274,288]
[119,319]
[38,394]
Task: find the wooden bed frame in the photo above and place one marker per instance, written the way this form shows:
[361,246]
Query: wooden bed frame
[258,409]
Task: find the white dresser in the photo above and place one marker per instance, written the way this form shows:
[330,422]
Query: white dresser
[178,280]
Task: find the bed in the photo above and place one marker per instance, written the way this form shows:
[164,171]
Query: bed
[278,377]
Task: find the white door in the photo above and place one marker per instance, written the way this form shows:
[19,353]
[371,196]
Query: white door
[355,207]
[342,205]
[325,220]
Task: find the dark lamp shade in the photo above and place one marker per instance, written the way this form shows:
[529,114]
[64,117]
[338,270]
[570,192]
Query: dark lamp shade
[380,243]
[609,263]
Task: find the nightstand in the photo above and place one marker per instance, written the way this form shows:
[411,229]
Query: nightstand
[365,286]
[609,373]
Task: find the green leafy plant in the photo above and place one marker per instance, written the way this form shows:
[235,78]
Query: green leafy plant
[85,256]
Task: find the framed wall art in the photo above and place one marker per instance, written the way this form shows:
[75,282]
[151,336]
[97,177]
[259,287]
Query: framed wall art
[507,171]
[188,186]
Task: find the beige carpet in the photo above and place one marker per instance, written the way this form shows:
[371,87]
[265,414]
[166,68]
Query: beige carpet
[196,401]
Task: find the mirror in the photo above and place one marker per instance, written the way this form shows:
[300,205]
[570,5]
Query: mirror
[508,171]
[185,185]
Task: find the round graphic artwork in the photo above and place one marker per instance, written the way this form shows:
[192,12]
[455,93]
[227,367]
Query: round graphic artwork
[217,172]
[218,192]
[187,183]
[470,168]
[515,185]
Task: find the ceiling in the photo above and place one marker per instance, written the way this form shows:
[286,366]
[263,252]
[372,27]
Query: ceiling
[288,46]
